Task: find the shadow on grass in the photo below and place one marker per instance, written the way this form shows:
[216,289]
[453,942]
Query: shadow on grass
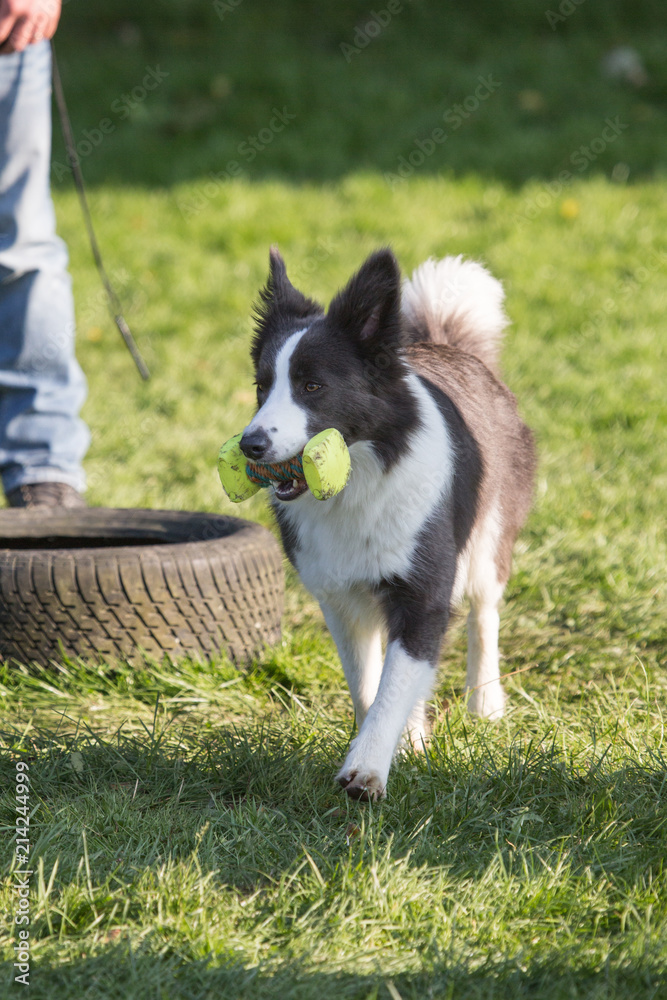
[262,794]
[567,973]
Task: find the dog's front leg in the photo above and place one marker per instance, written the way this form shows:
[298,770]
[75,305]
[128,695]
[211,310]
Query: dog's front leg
[406,681]
[354,622]
[417,622]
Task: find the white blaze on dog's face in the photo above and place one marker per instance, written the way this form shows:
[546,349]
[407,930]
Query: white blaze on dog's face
[280,419]
[342,368]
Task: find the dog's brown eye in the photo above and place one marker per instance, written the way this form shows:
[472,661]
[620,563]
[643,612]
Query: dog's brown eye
[312,386]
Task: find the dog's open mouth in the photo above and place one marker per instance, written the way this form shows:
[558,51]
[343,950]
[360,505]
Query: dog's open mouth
[291,490]
[286,477]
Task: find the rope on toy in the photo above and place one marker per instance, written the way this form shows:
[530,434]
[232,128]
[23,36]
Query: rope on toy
[280,472]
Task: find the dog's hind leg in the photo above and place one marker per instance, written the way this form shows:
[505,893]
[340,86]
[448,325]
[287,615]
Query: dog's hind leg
[417,729]
[354,623]
[485,693]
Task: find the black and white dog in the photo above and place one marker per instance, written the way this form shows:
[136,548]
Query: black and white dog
[441,480]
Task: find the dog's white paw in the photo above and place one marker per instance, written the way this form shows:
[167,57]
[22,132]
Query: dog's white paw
[488,700]
[366,786]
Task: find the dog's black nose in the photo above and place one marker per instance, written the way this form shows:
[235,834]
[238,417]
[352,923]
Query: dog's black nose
[255,445]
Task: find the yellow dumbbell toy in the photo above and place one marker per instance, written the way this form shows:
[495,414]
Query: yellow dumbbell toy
[324,466]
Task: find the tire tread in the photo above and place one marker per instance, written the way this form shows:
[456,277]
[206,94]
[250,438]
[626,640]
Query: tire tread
[188,595]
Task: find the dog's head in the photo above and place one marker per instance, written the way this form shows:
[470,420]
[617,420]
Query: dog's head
[314,369]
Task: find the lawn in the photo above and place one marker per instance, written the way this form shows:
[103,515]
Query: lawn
[187,836]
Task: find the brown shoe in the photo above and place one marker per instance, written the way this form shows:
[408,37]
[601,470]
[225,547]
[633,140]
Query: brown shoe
[33,495]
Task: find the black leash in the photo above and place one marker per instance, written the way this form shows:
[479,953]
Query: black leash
[70,146]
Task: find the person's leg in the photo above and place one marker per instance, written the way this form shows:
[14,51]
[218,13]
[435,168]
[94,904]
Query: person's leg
[42,388]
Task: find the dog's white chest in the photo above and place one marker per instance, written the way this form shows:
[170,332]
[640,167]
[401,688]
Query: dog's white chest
[365,539]
[369,531]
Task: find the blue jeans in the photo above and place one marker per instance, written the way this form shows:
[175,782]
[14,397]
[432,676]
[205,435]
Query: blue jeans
[42,387]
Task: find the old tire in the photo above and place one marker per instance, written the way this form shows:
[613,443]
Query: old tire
[111,583]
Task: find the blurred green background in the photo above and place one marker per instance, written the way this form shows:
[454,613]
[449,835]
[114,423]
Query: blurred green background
[529,135]
[363,84]
[522,860]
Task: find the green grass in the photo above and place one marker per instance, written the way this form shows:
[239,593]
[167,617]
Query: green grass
[187,836]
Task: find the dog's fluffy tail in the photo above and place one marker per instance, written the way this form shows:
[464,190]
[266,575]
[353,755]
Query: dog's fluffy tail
[456,302]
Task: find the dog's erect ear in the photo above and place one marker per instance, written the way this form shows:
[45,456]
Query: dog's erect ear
[368,308]
[280,297]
